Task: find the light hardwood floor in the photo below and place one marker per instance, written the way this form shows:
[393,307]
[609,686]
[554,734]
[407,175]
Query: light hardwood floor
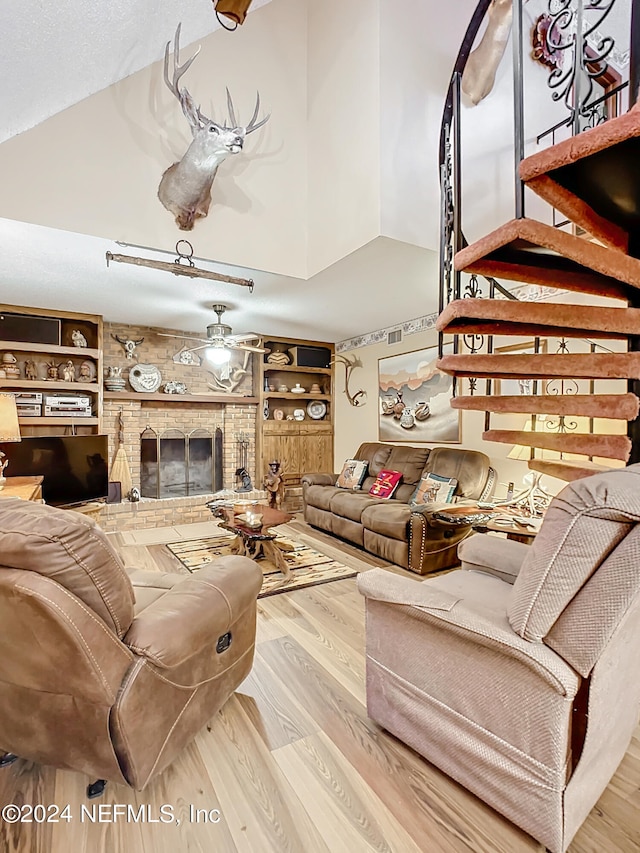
[293,763]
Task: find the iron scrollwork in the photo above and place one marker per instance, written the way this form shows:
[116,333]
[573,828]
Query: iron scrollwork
[586,51]
[446,213]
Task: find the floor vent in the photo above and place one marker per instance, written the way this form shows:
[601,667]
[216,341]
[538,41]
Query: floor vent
[394,337]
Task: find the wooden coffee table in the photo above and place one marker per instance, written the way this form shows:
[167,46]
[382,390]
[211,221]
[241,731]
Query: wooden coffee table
[257,542]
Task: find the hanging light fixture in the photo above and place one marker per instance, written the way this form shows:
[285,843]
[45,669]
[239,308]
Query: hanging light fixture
[217,353]
[234,10]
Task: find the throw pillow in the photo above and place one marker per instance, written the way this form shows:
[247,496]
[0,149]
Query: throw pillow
[432,488]
[386,483]
[353,473]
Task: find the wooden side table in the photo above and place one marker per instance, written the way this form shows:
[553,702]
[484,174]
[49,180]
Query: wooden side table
[27,488]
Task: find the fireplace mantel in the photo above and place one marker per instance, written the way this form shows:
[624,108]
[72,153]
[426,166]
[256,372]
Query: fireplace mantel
[170,399]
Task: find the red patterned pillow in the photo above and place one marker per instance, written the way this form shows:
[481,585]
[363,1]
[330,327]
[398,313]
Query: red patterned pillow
[386,483]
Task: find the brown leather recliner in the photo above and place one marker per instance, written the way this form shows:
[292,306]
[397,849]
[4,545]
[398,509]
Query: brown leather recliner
[100,675]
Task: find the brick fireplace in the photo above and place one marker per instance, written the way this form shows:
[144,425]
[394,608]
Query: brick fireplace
[234,414]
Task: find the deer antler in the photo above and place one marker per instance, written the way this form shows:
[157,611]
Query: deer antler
[192,113]
[357,399]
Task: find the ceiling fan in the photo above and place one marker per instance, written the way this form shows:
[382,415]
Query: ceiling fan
[220,339]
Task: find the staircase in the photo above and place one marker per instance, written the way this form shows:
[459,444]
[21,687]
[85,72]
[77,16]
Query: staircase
[594,180]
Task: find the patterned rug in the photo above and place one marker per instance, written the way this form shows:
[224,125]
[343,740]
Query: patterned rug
[308,567]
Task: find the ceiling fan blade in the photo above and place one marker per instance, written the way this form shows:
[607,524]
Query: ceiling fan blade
[239,339]
[248,347]
[202,346]
[183,337]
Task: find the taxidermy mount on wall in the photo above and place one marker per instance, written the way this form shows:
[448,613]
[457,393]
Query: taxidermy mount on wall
[185,188]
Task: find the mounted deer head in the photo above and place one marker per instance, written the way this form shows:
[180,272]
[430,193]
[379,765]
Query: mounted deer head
[185,188]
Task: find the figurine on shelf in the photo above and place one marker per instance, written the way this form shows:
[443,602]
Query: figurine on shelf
[68,372]
[85,373]
[10,366]
[274,484]
[114,380]
[30,369]
[52,370]
[78,338]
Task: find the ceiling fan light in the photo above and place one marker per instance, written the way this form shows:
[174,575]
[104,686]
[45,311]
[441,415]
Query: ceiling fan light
[218,355]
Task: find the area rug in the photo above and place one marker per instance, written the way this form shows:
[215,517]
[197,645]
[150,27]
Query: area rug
[308,567]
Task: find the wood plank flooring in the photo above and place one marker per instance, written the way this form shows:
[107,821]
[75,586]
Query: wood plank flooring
[293,764]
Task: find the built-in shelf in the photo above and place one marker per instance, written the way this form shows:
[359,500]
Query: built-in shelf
[49,349]
[276,368]
[272,395]
[66,421]
[169,399]
[47,386]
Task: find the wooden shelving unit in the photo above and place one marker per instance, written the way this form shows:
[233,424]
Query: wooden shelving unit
[42,354]
[299,445]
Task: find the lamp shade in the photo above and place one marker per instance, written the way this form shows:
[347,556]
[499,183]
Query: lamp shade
[236,10]
[9,426]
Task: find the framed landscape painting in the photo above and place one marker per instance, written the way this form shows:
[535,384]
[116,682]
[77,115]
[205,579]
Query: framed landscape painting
[414,399]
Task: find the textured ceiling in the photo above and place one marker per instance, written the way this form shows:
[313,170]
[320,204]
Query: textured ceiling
[56,54]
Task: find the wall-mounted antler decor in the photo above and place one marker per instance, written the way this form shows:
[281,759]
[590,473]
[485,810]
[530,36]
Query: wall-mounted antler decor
[350,363]
[128,345]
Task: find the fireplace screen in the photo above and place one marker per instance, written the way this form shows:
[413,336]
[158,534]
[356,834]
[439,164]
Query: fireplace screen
[177,464]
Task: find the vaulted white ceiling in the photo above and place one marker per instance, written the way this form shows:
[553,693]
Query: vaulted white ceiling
[56,55]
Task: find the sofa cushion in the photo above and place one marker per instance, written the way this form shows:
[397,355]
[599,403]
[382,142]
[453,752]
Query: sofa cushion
[376,455]
[387,519]
[409,460]
[320,496]
[403,493]
[353,473]
[469,467]
[386,483]
[351,504]
[433,487]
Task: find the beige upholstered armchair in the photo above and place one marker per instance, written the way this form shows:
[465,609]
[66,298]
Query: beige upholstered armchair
[517,675]
[101,675]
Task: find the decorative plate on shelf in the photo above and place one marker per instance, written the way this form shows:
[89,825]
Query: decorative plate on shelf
[145,377]
[317,409]
[298,414]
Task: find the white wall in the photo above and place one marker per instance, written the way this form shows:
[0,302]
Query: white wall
[343,120]
[95,168]
[419,40]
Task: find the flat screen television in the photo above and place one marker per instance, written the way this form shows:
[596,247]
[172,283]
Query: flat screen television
[74,467]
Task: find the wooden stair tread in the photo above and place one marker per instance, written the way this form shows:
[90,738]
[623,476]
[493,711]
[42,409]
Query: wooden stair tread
[593,178]
[586,444]
[530,251]
[619,365]
[611,406]
[540,319]
[567,470]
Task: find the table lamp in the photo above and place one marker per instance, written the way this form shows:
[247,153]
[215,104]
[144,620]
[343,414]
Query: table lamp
[9,428]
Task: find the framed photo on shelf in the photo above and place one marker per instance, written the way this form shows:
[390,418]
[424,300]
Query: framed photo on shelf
[414,399]
[524,386]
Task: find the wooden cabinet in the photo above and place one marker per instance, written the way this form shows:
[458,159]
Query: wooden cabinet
[41,358]
[296,426]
